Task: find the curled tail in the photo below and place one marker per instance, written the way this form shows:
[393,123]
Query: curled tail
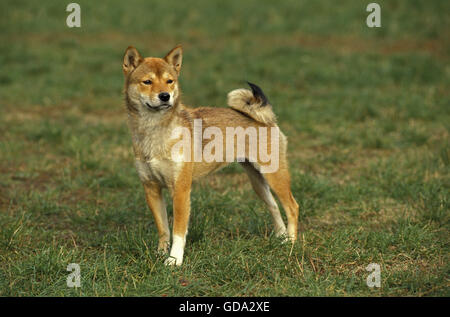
[252,103]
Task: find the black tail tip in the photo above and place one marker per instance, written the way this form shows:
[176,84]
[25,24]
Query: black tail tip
[258,94]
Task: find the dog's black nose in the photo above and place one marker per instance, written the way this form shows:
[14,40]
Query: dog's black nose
[164,96]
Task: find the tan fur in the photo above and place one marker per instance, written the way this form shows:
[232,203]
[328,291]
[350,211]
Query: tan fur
[152,125]
[155,201]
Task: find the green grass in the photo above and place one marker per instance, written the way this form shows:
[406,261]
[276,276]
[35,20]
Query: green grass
[367,115]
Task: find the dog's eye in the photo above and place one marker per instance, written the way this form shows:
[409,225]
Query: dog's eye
[147,82]
[170,81]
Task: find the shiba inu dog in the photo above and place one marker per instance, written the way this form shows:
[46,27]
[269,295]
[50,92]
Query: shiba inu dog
[155,112]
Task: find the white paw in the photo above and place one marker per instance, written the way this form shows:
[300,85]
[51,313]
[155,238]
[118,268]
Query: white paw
[284,239]
[173,261]
[176,254]
[282,234]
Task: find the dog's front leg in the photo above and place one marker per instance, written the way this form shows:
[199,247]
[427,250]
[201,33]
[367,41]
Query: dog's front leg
[181,212]
[155,201]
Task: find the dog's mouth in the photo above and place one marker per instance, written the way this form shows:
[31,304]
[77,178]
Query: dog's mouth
[160,107]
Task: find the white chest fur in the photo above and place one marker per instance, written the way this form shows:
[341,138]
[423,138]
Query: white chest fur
[153,153]
[163,171]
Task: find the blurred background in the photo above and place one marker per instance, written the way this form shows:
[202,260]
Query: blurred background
[366,111]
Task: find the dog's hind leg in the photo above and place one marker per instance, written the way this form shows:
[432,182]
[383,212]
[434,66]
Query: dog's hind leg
[280,183]
[262,189]
[155,201]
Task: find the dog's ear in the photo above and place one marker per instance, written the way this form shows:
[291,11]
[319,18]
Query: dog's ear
[131,60]
[175,57]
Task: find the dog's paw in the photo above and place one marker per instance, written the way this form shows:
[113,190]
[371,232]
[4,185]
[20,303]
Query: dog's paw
[283,236]
[284,239]
[163,248]
[171,261]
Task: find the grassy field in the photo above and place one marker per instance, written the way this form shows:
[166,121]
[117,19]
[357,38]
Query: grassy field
[366,112]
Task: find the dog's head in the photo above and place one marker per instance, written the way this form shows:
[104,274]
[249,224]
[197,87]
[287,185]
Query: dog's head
[151,84]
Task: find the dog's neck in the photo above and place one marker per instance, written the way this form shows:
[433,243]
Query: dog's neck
[150,128]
